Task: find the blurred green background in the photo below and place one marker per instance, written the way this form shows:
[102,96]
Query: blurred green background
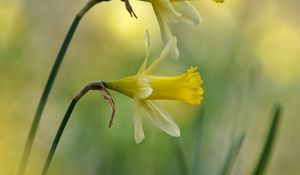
[248,53]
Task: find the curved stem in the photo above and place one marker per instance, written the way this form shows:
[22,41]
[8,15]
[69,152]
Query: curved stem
[96,85]
[48,86]
[44,97]
[58,136]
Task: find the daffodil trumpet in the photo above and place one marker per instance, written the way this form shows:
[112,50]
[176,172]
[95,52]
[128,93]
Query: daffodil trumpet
[145,88]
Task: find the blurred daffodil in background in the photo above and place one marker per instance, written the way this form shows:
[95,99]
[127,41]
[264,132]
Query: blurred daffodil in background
[145,87]
[168,12]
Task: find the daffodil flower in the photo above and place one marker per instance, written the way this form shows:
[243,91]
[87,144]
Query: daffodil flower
[168,11]
[172,11]
[145,88]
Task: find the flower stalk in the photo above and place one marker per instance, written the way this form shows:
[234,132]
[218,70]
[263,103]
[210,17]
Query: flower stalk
[49,84]
[97,85]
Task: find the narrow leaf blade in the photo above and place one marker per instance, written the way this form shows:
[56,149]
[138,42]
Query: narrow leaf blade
[232,155]
[267,149]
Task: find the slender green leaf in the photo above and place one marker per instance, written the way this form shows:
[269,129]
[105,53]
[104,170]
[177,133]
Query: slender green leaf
[198,128]
[232,155]
[265,155]
[180,154]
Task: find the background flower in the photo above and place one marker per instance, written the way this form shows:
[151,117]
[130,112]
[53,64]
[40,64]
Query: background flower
[168,12]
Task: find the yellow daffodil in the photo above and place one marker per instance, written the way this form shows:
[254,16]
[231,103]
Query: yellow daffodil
[174,11]
[169,11]
[144,88]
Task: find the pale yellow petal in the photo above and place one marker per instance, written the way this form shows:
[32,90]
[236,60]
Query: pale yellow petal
[165,6]
[160,118]
[170,48]
[147,41]
[142,69]
[138,125]
[188,13]
[144,89]
[175,55]
[166,33]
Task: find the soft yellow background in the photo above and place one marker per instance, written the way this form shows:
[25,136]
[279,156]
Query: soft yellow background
[248,53]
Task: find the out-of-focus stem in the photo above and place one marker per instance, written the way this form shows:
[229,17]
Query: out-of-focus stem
[49,84]
[97,85]
[181,157]
[58,135]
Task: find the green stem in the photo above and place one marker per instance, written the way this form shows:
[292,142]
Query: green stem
[96,85]
[44,97]
[58,136]
[48,87]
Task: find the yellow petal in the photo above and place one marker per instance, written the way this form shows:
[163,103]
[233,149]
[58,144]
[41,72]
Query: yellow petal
[143,67]
[166,33]
[144,89]
[169,48]
[165,6]
[147,45]
[138,126]
[160,118]
[147,41]
[188,13]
